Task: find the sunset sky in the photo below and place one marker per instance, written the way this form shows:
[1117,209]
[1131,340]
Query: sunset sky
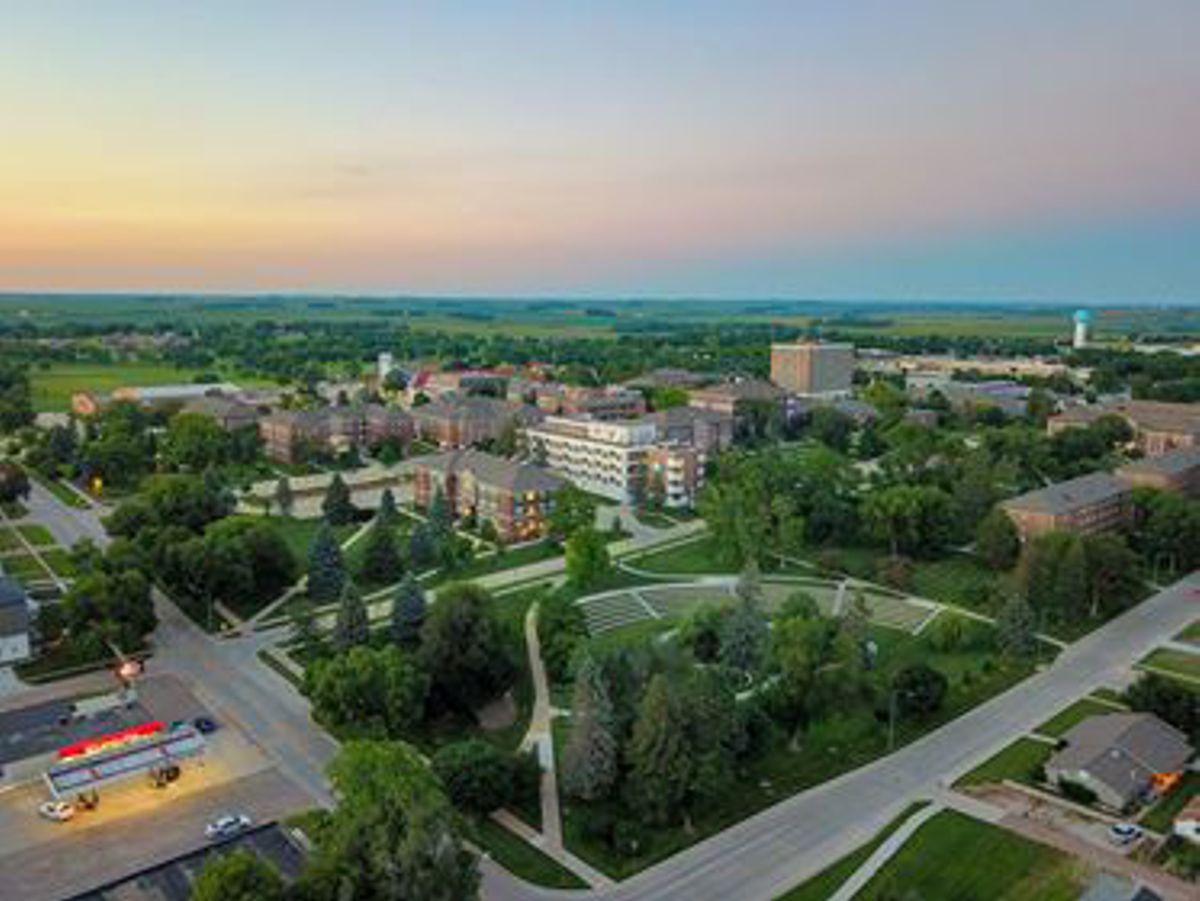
[1029,149]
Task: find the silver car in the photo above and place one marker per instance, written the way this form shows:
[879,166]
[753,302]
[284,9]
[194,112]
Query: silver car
[226,826]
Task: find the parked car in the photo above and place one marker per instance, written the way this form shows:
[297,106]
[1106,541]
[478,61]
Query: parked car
[1124,833]
[227,826]
[58,811]
[205,725]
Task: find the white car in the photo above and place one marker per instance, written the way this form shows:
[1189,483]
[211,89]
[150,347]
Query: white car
[227,826]
[58,811]
[1124,833]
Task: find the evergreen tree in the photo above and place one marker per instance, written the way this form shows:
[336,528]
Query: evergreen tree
[744,636]
[659,755]
[749,583]
[305,631]
[1071,582]
[326,571]
[590,763]
[352,627]
[421,548]
[408,611]
[381,559]
[337,506]
[1016,629]
[441,523]
[284,499]
[387,508]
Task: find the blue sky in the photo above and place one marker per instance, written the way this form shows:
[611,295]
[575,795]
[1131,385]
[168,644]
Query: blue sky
[852,149]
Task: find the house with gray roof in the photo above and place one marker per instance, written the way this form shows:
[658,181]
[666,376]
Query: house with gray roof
[1120,756]
[15,621]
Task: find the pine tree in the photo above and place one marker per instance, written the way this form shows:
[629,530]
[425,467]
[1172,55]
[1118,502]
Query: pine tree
[744,636]
[381,560]
[1016,628]
[749,582]
[421,548]
[408,611]
[387,508]
[326,571]
[441,524]
[591,757]
[284,499]
[337,506]
[305,631]
[1071,582]
[659,755]
[352,627]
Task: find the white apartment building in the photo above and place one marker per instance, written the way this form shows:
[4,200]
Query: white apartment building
[608,457]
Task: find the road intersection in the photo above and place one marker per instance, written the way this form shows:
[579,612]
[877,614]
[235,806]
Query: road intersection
[755,860]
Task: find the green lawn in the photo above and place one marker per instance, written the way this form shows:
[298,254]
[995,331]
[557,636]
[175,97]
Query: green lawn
[960,580]
[955,858]
[829,880]
[692,557]
[9,540]
[53,386]
[1019,762]
[59,490]
[24,567]
[13,509]
[1065,720]
[828,749]
[521,858]
[35,534]
[1191,633]
[1161,815]
[60,561]
[1181,663]
[300,533]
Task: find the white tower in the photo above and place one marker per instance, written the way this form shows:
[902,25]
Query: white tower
[385,363]
[1083,329]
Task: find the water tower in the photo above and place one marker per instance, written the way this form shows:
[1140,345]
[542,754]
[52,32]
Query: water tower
[1083,329]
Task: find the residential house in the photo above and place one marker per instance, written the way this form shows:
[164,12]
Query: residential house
[516,497]
[1087,504]
[1121,757]
[15,606]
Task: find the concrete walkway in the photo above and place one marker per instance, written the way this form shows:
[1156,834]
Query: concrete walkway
[885,852]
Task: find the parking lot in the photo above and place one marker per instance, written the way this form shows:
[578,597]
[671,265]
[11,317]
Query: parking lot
[136,825]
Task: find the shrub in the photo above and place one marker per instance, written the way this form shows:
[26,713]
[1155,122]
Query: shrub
[895,572]
[1075,791]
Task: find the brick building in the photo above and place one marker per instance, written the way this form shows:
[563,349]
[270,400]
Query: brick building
[516,497]
[1087,504]
[1177,471]
[1158,427]
[813,369]
[288,435]
[462,421]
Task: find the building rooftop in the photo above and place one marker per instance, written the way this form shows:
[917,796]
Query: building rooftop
[14,607]
[1173,463]
[175,392]
[44,728]
[492,470]
[1071,495]
[456,407]
[1123,750]
[745,390]
[1148,415]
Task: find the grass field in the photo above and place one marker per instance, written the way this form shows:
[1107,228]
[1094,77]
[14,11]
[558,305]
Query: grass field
[1180,663]
[53,386]
[1067,719]
[829,748]
[690,558]
[59,490]
[1191,633]
[36,535]
[953,857]
[829,880]
[520,858]
[1018,762]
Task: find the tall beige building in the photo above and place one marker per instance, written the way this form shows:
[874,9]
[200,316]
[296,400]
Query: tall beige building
[812,369]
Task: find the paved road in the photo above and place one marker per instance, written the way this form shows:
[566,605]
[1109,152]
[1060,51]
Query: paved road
[67,524]
[761,858]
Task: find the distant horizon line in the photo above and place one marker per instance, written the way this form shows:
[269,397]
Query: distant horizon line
[385,297]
